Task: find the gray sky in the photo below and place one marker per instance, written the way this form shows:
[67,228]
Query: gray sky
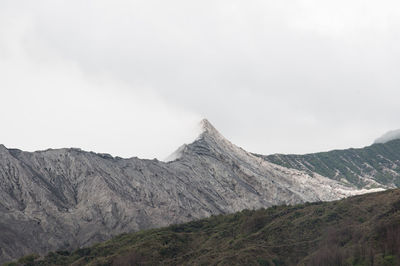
[133,78]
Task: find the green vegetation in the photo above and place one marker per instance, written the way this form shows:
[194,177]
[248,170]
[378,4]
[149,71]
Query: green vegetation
[362,230]
[26,260]
[349,164]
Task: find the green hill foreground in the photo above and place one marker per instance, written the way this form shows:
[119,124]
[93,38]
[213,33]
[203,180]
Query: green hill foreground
[361,230]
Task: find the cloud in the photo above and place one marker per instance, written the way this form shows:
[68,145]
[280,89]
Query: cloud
[48,101]
[273,76]
[389,136]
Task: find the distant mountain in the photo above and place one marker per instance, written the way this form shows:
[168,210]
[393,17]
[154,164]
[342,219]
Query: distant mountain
[377,165]
[69,198]
[389,136]
[361,230]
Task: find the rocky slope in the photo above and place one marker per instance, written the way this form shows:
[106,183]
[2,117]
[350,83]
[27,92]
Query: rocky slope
[69,198]
[377,165]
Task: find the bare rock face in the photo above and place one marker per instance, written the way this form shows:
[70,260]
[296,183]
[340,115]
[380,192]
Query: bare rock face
[69,198]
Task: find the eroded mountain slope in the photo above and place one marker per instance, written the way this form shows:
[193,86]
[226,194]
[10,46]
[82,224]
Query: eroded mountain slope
[68,198]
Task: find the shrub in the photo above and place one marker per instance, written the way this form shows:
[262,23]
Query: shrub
[132,258]
[28,259]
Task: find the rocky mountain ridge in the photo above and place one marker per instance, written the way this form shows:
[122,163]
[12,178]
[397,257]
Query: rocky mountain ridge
[69,198]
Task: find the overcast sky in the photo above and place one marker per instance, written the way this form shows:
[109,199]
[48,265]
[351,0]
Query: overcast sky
[133,78]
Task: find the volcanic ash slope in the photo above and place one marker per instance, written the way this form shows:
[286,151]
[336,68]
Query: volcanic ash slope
[68,198]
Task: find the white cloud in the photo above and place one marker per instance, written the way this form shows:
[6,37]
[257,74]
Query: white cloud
[274,76]
[47,101]
[345,18]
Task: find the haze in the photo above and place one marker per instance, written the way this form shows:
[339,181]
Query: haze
[133,78]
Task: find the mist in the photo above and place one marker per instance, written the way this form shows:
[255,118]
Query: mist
[133,78]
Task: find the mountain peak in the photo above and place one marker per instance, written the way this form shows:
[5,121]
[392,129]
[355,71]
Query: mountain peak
[3,148]
[207,127]
[389,136]
[208,133]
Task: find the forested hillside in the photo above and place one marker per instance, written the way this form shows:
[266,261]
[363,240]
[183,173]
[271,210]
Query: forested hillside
[361,230]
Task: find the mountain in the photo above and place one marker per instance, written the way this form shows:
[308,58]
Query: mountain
[377,165]
[361,230]
[389,136]
[69,198]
